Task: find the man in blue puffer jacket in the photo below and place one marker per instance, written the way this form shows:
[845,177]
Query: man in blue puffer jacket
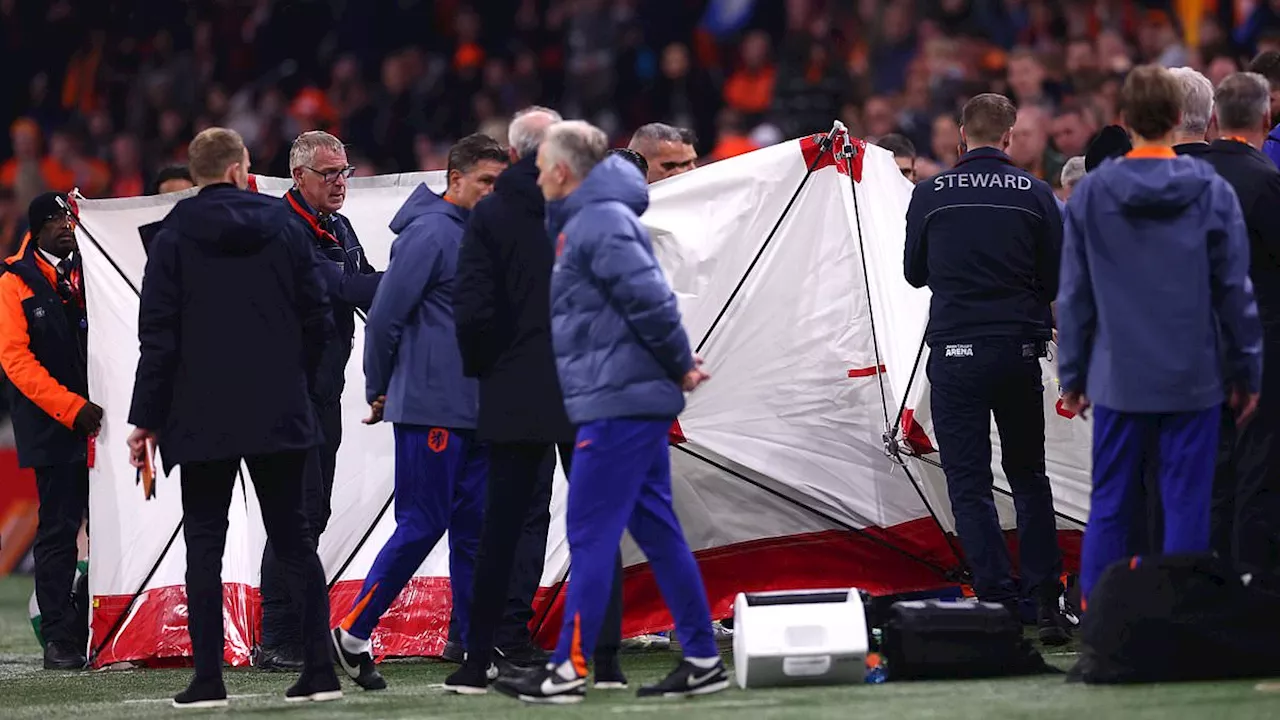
[624,363]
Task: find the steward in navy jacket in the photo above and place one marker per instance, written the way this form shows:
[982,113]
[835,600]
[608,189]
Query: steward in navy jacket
[986,237]
[232,322]
[502,308]
[349,281]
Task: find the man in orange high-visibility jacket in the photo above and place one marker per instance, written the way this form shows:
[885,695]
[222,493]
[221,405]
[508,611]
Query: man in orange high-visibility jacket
[43,339]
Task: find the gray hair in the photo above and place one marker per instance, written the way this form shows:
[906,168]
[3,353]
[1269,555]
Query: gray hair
[1073,171]
[1197,101]
[305,146]
[646,136]
[1243,101]
[577,144]
[529,127]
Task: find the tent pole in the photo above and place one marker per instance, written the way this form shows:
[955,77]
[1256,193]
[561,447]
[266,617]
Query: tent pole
[823,148]
[849,152]
[365,538]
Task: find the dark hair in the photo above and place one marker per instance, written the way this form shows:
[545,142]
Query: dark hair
[173,172]
[631,156]
[472,149]
[1267,64]
[1151,101]
[987,117]
[897,144]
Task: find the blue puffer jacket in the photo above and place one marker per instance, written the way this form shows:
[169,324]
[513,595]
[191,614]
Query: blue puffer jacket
[410,346]
[621,350]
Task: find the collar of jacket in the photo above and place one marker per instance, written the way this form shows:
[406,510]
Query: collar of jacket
[984,153]
[299,205]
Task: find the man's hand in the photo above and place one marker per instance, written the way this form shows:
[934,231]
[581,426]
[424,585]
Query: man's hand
[89,420]
[1076,402]
[138,446]
[694,377]
[375,410]
[1245,404]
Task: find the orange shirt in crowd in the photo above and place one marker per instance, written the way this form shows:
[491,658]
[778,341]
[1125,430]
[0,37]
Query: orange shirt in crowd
[56,177]
[750,92]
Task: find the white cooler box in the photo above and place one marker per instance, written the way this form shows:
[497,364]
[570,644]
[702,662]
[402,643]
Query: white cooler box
[800,637]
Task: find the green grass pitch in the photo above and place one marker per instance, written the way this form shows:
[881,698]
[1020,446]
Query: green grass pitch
[26,691]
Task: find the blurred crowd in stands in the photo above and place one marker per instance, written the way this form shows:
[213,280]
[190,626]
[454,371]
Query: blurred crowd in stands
[103,95]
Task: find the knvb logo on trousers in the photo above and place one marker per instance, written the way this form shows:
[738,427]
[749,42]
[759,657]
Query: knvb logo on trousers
[959,351]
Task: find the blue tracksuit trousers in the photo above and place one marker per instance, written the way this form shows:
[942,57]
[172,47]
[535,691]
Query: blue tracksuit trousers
[1188,446]
[440,485]
[621,478]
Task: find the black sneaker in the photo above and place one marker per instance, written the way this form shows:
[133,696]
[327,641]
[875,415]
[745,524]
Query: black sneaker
[1053,628]
[358,667]
[688,680]
[543,686]
[607,674]
[202,694]
[276,659]
[454,652]
[523,655]
[60,656]
[319,687]
[469,680]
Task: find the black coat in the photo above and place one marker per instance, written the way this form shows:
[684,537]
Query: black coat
[1257,184]
[232,323]
[502,309]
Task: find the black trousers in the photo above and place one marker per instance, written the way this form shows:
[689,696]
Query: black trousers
[1245,518]
[281,628]
[206,497]
[513,547]
[64,500]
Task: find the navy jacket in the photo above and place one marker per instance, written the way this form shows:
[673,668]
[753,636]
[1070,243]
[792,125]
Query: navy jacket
[1155,288]
[410,345]
[502,307]
[231,323]
[621,349]
[985,236]
[349,281]
[1257,184]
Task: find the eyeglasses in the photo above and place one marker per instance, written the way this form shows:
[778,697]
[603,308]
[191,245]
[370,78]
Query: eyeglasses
[332,176]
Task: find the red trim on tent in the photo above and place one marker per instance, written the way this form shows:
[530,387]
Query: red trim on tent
[1063,411]
[417,624]
[810,146]
[253,183]
[914,436]
[866,371]
[676,435]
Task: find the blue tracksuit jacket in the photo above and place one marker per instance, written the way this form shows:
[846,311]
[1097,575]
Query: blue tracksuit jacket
[411,348]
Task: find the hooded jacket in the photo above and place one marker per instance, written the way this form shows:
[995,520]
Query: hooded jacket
[1155,293]
[350,282]
[231,323]
[502,306]
[410,345]
[621,350]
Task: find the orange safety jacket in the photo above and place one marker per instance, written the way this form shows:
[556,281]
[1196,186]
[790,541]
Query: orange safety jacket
[43,345]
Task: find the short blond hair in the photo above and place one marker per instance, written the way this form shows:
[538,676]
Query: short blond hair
[212,152]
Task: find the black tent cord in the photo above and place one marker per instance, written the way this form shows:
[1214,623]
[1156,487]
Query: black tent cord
[823,148]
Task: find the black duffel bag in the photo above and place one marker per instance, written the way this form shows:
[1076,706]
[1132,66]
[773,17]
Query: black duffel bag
[937,640]
[1179,618]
